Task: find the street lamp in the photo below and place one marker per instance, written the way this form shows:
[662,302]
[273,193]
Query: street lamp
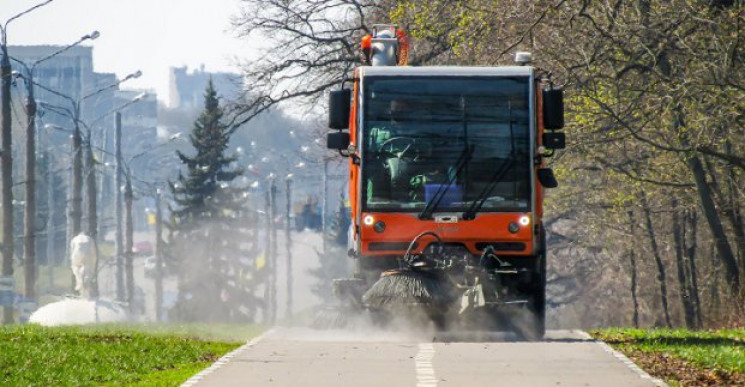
[124,216]
[7,161]
[29,247]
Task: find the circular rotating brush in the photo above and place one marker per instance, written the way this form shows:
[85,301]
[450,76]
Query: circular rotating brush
[404,288]
[411,286]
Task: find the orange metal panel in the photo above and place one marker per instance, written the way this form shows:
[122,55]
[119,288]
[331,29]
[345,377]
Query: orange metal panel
[487,227]
[354,170]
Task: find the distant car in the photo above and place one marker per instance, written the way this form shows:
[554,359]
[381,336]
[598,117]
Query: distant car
[143,248]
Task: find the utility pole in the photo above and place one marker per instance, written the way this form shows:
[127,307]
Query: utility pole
[119,184]
[288,246]
[273,212]
[268,256]
[51,255]
[92,212]
[323,204]
[128,244]
[68,223]
[7,174]
[76,204]
[29,214]
[158,258]
[6,158]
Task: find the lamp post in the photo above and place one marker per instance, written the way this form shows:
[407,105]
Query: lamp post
[90,170]
[51,201]
[158,258]
[29,248]
[91,189]
[124,170]
[7,160]
[288,245]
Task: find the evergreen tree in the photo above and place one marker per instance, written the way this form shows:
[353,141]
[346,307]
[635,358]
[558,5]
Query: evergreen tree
[212,250]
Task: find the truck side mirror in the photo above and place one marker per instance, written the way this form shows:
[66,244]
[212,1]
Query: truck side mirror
[554,140]
[546,178]
[553,108]
[337,140]
[339,101]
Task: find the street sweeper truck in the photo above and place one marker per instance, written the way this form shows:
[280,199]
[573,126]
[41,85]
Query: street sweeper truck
[446,183]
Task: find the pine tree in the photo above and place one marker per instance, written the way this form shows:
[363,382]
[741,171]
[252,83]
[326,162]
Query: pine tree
[212,246]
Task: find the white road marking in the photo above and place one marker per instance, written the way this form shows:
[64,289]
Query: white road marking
[221,361]
[425,372]
[625,360]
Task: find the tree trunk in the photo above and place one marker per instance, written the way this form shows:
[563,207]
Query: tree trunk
[661,278]
[632,260]
[693,274]
[709,207]
[679,238]
[714,303]
[734,213]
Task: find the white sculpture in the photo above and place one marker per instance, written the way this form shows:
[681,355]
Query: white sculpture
[82,262]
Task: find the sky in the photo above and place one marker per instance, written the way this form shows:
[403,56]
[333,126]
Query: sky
[146,35]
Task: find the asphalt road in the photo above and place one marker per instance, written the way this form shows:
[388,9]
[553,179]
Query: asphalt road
[305,357]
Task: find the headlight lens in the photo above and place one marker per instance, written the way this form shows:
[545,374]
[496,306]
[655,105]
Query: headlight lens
[368,220]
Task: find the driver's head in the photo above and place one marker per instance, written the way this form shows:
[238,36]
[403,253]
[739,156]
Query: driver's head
[400,108]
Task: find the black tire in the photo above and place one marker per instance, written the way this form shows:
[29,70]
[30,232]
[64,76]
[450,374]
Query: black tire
[530,323]
[538,306]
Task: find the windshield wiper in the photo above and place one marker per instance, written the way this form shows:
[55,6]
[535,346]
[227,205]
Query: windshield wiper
[496,178]
[462,161]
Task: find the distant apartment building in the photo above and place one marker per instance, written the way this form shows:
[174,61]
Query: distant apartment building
[187,87]
[71,73]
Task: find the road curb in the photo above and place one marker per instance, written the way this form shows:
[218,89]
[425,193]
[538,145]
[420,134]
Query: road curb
[625,360]
[192,381]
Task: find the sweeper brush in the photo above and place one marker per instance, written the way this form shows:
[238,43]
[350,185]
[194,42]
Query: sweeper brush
[405,288]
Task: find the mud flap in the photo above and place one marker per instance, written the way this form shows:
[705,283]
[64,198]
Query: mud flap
[472,298]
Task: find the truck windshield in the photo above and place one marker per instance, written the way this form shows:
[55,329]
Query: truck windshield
[416,132]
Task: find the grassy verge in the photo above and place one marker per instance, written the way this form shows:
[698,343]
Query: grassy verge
[682,357]
[133,354]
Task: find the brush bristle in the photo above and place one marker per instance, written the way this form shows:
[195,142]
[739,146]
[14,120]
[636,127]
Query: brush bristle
[330,318]
[403,289]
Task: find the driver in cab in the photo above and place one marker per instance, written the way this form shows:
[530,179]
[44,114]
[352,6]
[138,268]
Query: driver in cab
[405,158]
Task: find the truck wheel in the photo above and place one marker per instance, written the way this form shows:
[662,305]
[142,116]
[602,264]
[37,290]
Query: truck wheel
[539,289]
[538,307]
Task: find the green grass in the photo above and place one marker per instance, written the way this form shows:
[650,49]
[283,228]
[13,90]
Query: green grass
[133,354]
[721,351]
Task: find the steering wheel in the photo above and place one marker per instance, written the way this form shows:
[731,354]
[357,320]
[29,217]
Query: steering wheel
[407,141]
